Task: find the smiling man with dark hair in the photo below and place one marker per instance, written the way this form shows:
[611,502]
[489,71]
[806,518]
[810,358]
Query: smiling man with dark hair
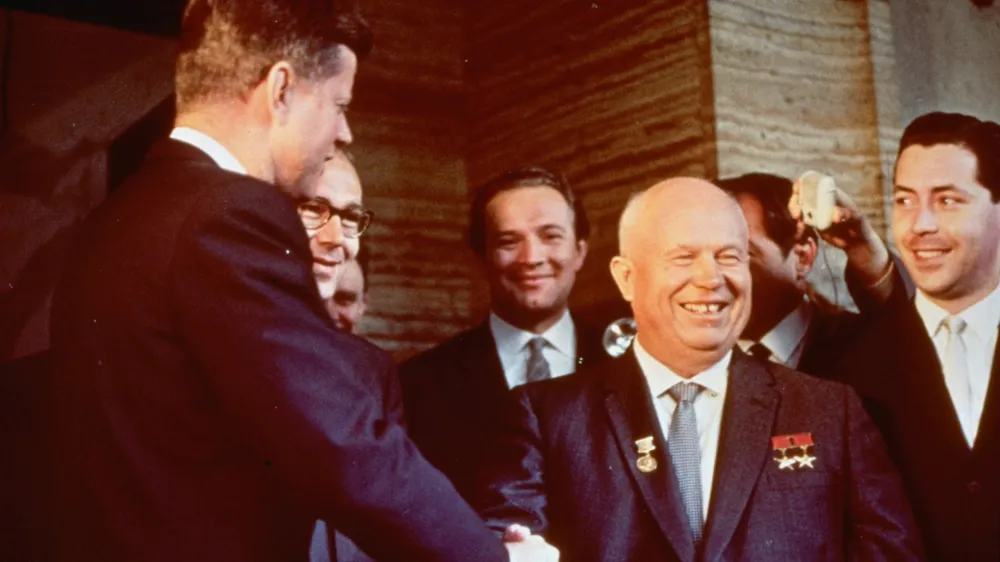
[530,231]
[928,368]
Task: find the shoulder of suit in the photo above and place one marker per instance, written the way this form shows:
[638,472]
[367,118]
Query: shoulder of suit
[444,353]
[790,380]
[586,381]
[376,354]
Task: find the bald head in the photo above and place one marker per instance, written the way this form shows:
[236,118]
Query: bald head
[684,268]
[669,200]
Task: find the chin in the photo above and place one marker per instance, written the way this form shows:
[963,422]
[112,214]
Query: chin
[710,342]
[326,288]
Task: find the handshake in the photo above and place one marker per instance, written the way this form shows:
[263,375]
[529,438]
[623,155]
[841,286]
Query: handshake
[522,546]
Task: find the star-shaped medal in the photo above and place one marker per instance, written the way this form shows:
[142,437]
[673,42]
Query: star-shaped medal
[805,459]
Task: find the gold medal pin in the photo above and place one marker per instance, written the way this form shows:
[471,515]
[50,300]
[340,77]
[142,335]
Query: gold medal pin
[645,463]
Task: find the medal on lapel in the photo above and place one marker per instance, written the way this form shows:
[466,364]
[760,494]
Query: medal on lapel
[801,442]
[645,463]
[781,444]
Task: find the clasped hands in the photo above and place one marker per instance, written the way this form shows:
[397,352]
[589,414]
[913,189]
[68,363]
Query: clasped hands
[522,546]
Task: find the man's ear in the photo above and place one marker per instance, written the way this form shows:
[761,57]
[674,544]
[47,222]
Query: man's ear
[623,272]
[581,254]
[278,85]
[805,257]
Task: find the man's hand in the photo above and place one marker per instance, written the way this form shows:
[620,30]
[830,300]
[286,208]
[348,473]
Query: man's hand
[867,254]
[522,546]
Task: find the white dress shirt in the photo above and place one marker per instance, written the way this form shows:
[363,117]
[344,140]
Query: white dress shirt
[787,340]
[209,146]
[980,339]
[707,408]
[512,347]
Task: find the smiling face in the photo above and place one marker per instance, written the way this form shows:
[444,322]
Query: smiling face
[340,188]
[685,270]
[532,255]
[946,225]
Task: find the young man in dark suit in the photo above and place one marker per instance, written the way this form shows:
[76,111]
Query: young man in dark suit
[206,408]
[926,369]
[530,231]
[788,324]
[685,448]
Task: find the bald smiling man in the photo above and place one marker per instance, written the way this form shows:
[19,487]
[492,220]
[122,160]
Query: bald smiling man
[685,448]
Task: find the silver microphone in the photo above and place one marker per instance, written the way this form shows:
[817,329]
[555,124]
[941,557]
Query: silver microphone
[618,336]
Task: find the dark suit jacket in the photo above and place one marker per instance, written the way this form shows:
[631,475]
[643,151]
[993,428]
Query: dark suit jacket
[390,395]
[954,491]
[206,407]
[453,393]
[565,465]
[828,335]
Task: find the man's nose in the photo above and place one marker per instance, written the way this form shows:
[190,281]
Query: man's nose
[344,135]
[707,273]
[530,251]
[925,221]
[331,233]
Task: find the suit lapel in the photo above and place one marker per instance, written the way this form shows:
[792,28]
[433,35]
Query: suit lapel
[816,332]
[632,416]
[589,348]
[744,449]
[989,423]
[921,372]
[481,371]
[816,344]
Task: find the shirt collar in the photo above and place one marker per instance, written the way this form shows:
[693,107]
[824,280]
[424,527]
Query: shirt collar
[660,378]
[511,339]
[981,318]
[218,153]
[787,335]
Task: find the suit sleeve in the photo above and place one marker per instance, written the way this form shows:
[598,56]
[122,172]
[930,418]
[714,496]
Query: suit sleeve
[292,385]
[881,525]
[394,410]
[889,292]
[511,481]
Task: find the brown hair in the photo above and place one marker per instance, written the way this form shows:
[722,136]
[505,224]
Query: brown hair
[228,46]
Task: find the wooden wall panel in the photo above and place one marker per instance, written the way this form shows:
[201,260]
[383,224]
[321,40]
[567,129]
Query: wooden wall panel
[887,99]
[409,146]
[795,90]
[615,95]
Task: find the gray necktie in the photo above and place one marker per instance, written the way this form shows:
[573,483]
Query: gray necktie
[682,443]
[538,367]
[956,374]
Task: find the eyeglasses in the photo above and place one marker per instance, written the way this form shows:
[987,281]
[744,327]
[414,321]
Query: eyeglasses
[353,221]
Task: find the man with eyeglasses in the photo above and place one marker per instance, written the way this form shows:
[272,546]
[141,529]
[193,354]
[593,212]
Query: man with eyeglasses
[205,408]
[334,219]
[333,242]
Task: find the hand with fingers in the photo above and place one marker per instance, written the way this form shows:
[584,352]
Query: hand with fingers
[522,546]
[850,231]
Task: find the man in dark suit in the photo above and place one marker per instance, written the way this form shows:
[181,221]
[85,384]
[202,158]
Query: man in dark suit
[339,192]
[205,407]
[530,230]
[927,368]
[789,323]
[685,448]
